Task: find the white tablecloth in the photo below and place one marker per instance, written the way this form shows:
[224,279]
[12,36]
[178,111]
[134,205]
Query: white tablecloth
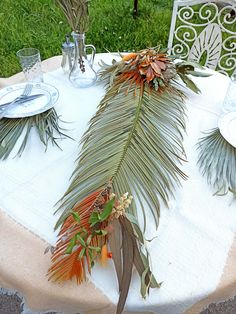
[195,233]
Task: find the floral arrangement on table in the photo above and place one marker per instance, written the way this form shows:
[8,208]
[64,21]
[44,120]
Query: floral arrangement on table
[129,162]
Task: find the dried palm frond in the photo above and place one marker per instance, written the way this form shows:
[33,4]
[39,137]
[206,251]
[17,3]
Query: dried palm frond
[134,140]
[11,130]
[79,241]
[217,162]
[99,220]
[76,12]
[133,144]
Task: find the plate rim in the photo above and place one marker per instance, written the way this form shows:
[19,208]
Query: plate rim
[25,115]
[222,124]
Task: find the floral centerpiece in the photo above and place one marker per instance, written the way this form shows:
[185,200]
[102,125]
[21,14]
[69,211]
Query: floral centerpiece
[129,163]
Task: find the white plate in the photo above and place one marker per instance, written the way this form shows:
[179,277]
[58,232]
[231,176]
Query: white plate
[227,126]
[33,107]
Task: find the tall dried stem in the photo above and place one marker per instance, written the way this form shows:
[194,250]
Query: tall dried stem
[76,12]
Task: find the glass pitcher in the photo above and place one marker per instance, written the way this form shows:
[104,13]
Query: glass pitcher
[82,73]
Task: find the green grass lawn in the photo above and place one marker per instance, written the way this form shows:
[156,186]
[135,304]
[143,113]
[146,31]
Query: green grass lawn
[40,24]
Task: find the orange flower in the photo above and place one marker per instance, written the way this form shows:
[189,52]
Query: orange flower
[109,255]
[129,56]
[104,255]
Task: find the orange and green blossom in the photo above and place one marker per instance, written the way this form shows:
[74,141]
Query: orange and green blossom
[146,65]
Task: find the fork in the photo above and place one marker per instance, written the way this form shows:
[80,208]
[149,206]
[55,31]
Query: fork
[26,92]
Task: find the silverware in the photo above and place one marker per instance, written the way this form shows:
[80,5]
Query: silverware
[27,90]
[22,100]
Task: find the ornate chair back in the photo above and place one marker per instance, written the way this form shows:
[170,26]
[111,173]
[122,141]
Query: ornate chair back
[205,31]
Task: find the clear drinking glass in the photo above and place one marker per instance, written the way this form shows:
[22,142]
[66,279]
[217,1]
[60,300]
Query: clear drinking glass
[31,64]
[230,97]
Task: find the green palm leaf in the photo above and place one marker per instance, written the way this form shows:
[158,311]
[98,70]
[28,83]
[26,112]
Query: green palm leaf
[217,162]
[14,130]
[135,141]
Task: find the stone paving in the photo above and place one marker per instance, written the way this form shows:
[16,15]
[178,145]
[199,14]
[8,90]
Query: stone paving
[12,305]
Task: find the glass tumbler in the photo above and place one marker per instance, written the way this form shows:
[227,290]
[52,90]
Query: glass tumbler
[31,64]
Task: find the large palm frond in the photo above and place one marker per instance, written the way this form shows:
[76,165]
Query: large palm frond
[133,146]
[135,141]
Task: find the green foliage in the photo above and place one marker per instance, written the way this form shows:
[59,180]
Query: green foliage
[47,126]
[41,24]
[76,217]
[99,217]
[185,68]
[82,239]
[71,245]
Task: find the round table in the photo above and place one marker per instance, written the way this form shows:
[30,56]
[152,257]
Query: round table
[193,254]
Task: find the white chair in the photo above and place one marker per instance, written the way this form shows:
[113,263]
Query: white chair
[205,31]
